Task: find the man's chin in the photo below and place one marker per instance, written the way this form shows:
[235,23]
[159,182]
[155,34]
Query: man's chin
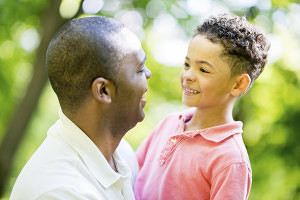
[141,116]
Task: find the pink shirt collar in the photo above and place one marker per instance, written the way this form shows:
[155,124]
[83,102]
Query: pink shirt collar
[215,134]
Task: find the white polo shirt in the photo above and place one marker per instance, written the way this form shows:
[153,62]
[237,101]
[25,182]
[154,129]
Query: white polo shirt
[68,165]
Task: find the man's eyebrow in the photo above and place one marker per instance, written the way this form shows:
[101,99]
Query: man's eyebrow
[201,62]
[143,62]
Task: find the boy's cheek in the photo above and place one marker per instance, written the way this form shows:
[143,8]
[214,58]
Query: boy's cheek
[181,77]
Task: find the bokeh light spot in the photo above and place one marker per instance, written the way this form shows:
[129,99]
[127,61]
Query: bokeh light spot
[30,40]
[68,8]
[92,6]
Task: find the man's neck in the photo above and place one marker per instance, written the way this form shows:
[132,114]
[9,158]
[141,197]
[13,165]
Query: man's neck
[99,131]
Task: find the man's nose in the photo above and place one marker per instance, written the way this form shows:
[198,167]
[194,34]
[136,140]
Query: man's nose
[148,73]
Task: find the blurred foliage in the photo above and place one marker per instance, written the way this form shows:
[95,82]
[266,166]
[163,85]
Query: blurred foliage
[270,110]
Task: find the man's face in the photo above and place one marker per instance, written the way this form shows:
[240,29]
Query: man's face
[131,81]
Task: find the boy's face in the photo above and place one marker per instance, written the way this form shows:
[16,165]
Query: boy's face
[206,80]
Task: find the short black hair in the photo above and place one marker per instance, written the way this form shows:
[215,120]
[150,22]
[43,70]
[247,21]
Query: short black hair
[245,45]
[82,50]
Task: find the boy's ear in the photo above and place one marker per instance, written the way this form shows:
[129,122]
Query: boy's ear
[102,90]
[241,85]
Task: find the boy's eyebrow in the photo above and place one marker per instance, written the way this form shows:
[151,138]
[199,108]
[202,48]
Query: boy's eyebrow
[201,62]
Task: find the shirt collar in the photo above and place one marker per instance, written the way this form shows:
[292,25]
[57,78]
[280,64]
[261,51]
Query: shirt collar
[91,155]
[215,134]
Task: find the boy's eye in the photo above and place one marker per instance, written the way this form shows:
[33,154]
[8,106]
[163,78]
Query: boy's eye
[203,70]
[186,65]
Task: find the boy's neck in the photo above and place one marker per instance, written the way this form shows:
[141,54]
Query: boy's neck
[205,118]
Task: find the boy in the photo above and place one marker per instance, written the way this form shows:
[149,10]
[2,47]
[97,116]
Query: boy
[199,153]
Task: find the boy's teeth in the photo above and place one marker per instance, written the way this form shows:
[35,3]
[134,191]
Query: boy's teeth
[191,91]
[144,95]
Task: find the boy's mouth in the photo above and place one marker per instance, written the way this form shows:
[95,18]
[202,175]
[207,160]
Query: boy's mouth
[190,90]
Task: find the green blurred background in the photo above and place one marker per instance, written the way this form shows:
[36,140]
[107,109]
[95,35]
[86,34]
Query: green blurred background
[270,110]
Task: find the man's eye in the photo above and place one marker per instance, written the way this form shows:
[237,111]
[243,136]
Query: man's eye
[142,70]
[203,70]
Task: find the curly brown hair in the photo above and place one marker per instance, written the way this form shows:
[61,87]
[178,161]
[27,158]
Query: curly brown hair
[245,45]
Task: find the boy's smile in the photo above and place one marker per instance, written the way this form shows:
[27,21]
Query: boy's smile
[206,78]
[189,91]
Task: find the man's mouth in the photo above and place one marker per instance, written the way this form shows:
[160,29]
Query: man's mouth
[143,100]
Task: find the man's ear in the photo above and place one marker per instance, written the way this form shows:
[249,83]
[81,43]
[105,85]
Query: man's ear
[241,85]
[102,90]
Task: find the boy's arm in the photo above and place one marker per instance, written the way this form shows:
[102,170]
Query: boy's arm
[233,182]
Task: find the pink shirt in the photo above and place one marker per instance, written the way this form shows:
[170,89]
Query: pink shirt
[203,164]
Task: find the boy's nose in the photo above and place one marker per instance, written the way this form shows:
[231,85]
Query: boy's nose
[188,75]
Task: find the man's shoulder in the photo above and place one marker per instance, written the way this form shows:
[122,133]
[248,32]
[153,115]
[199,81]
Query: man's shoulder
[52,165]
[55,192]
[50,177]
[66,192]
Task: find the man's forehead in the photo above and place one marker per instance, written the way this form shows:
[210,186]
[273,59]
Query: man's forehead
[128,40]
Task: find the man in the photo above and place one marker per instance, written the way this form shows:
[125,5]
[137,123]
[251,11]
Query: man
[96,68]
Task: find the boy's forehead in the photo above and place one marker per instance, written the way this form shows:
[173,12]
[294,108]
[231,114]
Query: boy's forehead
[201,46]
[203,51]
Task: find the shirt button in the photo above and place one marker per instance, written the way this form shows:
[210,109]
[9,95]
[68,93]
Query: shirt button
[173,140]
